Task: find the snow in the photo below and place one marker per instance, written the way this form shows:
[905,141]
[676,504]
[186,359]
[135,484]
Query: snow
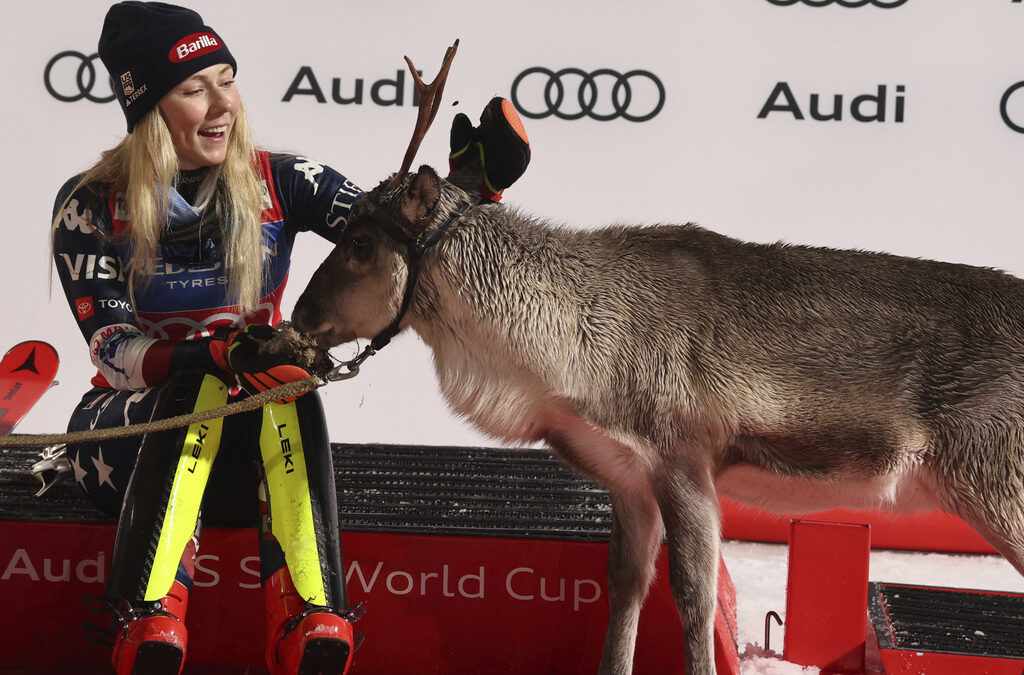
[758,572]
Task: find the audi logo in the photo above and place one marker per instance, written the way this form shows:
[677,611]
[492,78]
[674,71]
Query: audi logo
[75,83]
[1004,108]
[842,3]
[603,95]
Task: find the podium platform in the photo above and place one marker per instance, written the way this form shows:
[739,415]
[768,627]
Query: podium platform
[467,560]
[947,631]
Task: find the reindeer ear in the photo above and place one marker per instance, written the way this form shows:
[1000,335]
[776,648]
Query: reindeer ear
[420,199]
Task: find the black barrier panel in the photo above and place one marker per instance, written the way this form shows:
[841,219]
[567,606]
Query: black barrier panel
[395,488]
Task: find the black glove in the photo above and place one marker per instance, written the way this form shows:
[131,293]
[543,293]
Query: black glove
[210,353]
[262,359]
[487,159]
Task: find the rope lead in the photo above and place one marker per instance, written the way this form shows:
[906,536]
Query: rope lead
[296,388]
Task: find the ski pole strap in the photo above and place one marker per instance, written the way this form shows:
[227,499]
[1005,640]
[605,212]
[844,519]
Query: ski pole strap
[296,388]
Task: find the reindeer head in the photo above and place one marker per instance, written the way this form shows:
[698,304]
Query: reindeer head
[366,282]
[364,286]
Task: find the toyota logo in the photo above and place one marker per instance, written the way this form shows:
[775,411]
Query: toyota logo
[74,84]
[1004,105]
[603,95]
[842,3]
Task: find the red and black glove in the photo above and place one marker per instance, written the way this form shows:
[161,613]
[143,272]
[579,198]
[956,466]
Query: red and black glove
[171,356]
[218,345]
[487,159]
[262,362]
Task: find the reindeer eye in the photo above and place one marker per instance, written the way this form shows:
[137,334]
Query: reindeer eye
[359,247]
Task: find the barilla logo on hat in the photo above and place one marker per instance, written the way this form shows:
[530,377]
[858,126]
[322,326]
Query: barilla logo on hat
[194,45]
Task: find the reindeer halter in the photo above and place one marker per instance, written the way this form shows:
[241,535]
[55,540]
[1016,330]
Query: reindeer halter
[430,102]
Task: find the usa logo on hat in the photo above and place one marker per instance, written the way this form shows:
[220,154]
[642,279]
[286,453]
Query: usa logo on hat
[126,83]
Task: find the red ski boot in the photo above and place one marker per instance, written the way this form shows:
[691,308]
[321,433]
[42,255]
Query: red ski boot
[153,642]
[303,639]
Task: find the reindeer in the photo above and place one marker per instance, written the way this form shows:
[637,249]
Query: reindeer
[674,364]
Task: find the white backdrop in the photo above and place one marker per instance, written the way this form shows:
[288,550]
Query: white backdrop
[938,177]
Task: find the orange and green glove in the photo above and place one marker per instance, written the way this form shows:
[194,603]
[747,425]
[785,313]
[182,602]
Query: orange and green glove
[261,362]
[485,160]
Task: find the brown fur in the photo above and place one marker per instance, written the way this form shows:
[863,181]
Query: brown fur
[300,349]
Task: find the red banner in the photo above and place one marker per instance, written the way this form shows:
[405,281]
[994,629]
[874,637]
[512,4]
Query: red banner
[436,604]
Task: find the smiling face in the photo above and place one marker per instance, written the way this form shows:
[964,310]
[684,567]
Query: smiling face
[200,113]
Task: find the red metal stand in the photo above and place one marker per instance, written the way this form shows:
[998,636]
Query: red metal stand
[727,658]
[826,595]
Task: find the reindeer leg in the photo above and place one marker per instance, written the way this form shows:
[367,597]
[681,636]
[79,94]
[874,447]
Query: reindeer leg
[979,476]
[690,511]
[635,541]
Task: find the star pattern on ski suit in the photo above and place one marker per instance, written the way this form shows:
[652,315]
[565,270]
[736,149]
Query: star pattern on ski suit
[80,473]
[103,470]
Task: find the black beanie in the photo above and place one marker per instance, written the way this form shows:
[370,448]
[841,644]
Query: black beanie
[149,48]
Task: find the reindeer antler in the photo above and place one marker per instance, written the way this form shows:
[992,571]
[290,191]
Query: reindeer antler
[430,101]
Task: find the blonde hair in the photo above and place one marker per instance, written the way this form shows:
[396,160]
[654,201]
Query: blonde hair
[144,165]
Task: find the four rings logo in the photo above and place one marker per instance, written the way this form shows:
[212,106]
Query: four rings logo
[884,4]
[71,76]
[603,95]
[1008,111]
